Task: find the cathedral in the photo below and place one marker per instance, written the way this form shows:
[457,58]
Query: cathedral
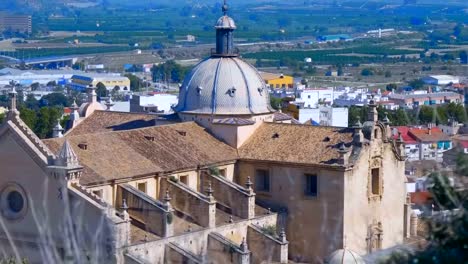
[226,179]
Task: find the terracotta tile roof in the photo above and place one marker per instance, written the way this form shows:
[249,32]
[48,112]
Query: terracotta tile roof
[464,143]
[408,139]
[421,198]
[138,152]
[295,143]
[429,135]
[102,121]
[277,116]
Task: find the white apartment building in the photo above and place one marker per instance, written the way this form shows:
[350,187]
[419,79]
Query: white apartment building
[324,116]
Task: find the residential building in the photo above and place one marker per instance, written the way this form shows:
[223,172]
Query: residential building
[15,23]
[320,116]
[461,143]
[415,100]
[153,102]
[423,143]
[277,81]
[450,129]
[81,82]
[195,186]
[313,97]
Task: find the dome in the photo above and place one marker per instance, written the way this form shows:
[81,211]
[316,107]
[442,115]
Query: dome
[225,22]
[224,86]
[344,256]
[87,109]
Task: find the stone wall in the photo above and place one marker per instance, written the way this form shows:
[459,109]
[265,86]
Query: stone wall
[240,200]
[144,209]
[196,242]
[223,250]
[175,254]
[198,206]
[305,218]
[266,248]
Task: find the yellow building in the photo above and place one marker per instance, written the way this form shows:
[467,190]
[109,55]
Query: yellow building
[81,82]
[277,81]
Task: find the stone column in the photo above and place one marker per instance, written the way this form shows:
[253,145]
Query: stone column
[414,225]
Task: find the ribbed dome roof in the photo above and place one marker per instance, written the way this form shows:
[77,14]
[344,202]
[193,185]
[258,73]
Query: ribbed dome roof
[224,86]
[344,256]
[225,22]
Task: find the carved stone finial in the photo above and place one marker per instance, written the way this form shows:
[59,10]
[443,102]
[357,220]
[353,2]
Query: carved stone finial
[124,206]
[386,120]
[13,98]
[209,190]
[109,104]
[269,210]
[282,235]
[342,150]
[57,131]
[189,228]
[358,124]
[243,245]
[249,183]
[167,197]
[231,220]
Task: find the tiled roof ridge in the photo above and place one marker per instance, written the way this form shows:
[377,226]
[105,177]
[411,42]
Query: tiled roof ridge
[127,113]
[126,131]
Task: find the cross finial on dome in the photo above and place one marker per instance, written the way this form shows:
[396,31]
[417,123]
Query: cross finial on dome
[225,7]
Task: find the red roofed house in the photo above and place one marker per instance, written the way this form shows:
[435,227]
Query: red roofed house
[423,143]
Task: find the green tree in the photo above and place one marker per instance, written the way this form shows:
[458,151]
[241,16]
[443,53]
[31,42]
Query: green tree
[427,114]
[135,82]
[388,74]
[275,102]
[2,117]
[457,112]
[391,87]
[462,164]
[416,84]
[356,113]
[400,118]
[29,117]
[31,102]
[34,86]
[367,72]
[447,238]
[46,120]
[101,90]
[54,99]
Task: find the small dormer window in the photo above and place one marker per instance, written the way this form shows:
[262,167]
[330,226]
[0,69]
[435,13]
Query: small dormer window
[83,146]
[232,91]
[199,89]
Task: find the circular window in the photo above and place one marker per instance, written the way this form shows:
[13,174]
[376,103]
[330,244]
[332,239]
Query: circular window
[13,201]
